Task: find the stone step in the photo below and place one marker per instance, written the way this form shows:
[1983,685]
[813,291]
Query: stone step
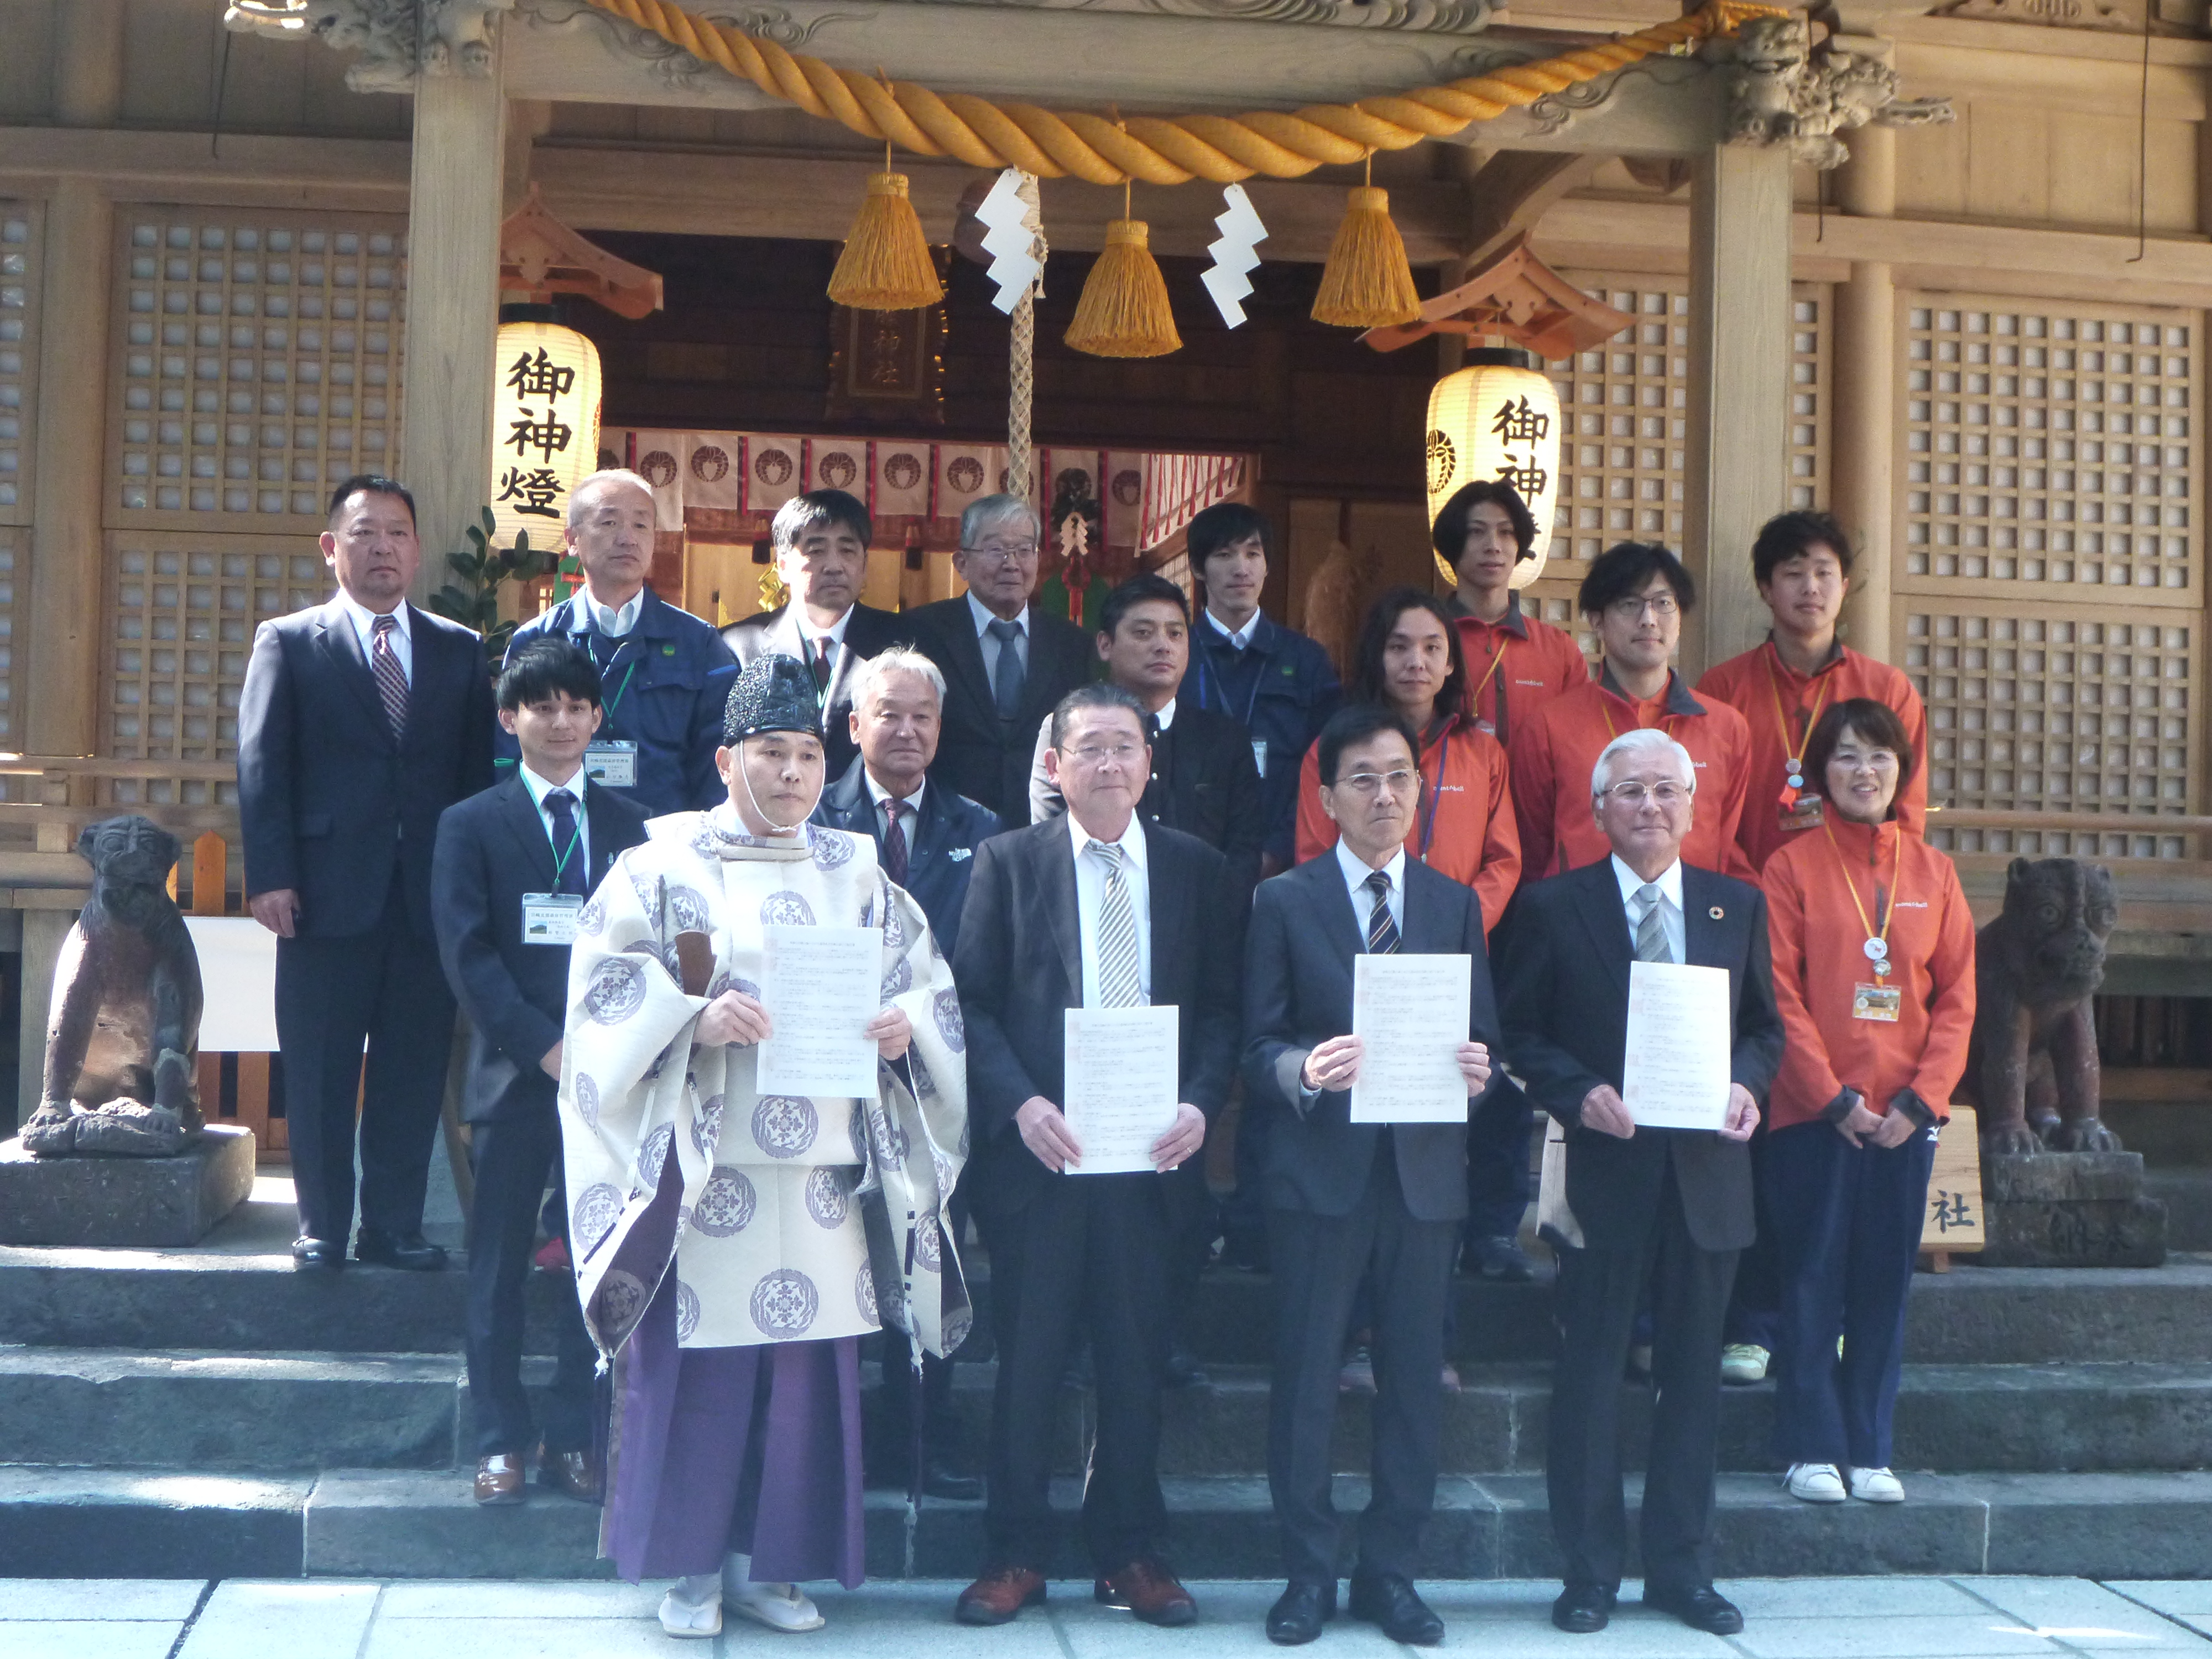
[386,1524]
[303,1412]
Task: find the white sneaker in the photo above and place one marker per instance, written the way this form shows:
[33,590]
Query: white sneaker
[1815,1483]
[1876,1486]
[780,1607]
[1743,1363]
[693,1606]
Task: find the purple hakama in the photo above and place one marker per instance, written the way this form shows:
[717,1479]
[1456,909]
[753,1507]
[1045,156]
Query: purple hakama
[755,1450]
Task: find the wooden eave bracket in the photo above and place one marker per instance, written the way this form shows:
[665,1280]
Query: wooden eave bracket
[540,253]
[1515,295]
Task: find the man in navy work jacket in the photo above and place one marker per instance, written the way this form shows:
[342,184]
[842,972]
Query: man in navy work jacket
[358,723]
[667,674]
[926,840]
[514,866]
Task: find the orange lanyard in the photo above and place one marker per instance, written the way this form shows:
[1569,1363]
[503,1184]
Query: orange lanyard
[1666,721]
[1488,675]
[1877,941]
[1795,761]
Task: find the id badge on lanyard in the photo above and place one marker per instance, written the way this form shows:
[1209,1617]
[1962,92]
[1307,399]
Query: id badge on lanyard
[1885,1003]
[613,764]
[550,918]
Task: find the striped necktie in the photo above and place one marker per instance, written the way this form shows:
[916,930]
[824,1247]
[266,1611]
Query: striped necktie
[1651,931]
[390,677]
[1382,932]
[1118,986]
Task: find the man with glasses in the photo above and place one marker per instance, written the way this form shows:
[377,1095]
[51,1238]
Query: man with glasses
[1348,1202]
[1664,1208]
[1094,909]
[1006,664]
[1633,598]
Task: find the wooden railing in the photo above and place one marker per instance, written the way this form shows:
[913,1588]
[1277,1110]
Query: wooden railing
[2194,830]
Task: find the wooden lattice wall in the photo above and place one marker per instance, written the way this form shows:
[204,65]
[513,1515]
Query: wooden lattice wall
[2049,589]
[19,354]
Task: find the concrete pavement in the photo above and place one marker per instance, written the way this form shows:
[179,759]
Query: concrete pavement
[1885,1618]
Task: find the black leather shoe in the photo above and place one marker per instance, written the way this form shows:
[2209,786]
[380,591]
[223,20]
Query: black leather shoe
[1699,1606]
[317,1253]
[1583,1609]
[1389,1599]
[1300,1611]
[940,1479]
[412,1253]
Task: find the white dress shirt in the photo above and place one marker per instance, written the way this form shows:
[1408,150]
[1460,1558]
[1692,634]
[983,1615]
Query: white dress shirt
[1239,637]
[364,628]
[1670,905]
[812,638]
[539,788]
[1356,872]
[1091,893]
[988,641]
[882,798]
[1165,718]
[614,624]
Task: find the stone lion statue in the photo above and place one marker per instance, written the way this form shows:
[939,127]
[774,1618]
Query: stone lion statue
[123,1040]
[2033,1063]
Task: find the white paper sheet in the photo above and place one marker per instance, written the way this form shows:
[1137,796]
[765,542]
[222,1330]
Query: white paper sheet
[1124,1074]
[238,972]
[1409,1014]
[1677,1071]
[821,987]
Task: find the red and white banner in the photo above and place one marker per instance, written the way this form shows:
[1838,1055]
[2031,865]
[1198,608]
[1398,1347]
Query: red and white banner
[901,480]
[1123,497]
[965,474]
[714,470]
[775,471]
[1178,487]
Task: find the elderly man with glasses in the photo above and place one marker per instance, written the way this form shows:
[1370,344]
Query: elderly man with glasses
[1665,1209]
[1633,599]
[1006,665]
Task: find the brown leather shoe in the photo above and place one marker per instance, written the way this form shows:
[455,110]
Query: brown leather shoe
[572,1473]
[499,1478]
[1149,1591]
[999,1594]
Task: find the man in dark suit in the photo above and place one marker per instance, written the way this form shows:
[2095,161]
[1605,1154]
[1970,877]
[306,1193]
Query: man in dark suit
[822,553]
[1006,665]
[358,723]
[514,865]
[1667,1209]
[1347,1201]
[667,673]
[926,841]
[1093,910]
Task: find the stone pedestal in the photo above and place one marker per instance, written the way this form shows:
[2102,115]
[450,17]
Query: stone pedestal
[2071,1210]
[145,1202]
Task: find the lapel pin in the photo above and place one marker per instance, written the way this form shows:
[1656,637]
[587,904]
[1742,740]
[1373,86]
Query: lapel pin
[1715,913]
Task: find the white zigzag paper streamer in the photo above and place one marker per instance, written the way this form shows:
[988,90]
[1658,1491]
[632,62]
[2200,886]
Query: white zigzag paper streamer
[1009,239]
[1234,255]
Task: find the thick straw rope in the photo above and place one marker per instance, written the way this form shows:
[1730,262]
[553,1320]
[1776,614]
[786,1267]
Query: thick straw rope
[1021,353]
[1154,150]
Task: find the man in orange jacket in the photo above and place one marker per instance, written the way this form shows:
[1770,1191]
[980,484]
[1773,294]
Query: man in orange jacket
[1802,562]
[1515,663]
[1634,598]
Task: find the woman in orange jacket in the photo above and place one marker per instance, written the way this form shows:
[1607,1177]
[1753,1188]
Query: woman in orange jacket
[1874,973]
[1409,659]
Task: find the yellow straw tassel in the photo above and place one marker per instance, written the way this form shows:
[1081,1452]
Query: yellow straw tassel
[1367,282]
[886,265]
[1124,309]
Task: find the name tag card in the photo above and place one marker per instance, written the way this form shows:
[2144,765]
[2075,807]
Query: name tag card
[613,764]
[1880,1002]
[550,918]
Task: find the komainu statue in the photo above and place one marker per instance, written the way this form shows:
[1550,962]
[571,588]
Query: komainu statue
[123,1040]
[2037,966]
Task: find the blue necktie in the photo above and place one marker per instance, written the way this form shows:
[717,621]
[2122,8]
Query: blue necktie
[566,850]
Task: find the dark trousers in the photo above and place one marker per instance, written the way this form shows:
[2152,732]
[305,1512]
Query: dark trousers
[1499,1187]
[385,985]
[512,1159]
[1318,1263]
[1847,1224]
[1244,1212]
[1754,1310]
[1090,1253]
[1599,1290]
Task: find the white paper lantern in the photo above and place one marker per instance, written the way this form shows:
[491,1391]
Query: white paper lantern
[1498,418]
[546,427]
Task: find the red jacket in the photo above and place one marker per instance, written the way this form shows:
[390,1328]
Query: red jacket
[1769,693]
[1819,936]
[1555,751]
[1515,665]
[1464,826]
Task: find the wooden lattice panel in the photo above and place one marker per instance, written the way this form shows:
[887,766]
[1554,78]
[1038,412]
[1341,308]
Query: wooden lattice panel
[183,609]
[18,356]
[2047,445]
[12,540]
[2034,707]
[259,364]
[1809,403]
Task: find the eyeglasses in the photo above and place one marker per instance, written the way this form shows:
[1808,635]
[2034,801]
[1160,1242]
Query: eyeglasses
[1878,760]
[1122,754]
[1005,552]
[1632,608]
[1635,795]
[1374,783]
